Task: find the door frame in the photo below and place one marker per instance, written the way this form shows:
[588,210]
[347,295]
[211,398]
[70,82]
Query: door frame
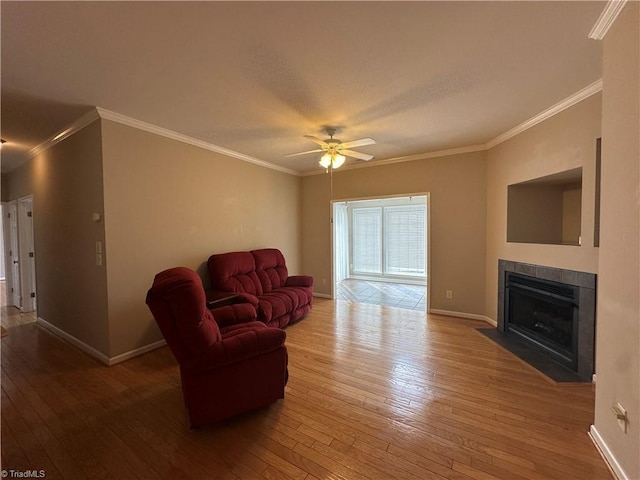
[19,247]
[27,253]
[427,196]
[12,249]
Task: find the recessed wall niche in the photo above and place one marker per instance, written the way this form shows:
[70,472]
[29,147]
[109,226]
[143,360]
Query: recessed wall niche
[546,210]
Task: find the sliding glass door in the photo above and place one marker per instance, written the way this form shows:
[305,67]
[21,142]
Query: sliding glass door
[388,240]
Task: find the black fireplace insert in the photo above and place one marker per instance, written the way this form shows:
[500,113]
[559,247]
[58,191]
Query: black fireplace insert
[545,313]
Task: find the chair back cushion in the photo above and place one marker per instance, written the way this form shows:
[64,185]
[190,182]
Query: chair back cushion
[234,272]
[271,268]
[178,304]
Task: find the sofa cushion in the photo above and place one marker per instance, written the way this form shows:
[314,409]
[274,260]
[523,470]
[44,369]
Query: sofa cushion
[234,272]
[279,304]
[303,295]
[300,312]
[270,268]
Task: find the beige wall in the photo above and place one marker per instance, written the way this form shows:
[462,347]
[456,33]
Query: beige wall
[534,214]
[164,204]
[66,184]
[169,204]
[457,206]
[544,213]
[618,328]
[4,187]
[571,214]
[563,142]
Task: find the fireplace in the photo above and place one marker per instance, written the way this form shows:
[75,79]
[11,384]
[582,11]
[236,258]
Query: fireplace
[544,313]
[551,310]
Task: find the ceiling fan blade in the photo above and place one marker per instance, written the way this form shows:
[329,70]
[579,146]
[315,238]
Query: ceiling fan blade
[304,153]
[358,155]
[359,143]
[316,140]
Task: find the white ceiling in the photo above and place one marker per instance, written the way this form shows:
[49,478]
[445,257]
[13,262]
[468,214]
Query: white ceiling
[254,77]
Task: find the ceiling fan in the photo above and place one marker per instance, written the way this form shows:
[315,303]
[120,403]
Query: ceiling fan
[336,150]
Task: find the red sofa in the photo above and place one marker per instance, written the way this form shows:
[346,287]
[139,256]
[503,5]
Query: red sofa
[261,276]
[229,363]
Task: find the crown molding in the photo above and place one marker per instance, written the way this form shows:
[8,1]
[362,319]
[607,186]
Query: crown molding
[99,112]
[86,119]
[568,102]
[408,158]
[163,132]
[606,19]
[422,156]
[577,97]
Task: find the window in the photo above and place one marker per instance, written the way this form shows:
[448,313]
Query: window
[389,240]
[405,246]
[367,240]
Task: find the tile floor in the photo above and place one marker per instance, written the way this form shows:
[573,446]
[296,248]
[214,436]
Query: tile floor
[411,297]
[12,316]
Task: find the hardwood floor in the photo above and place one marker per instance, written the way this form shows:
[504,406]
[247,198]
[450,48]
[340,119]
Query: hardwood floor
[374,393]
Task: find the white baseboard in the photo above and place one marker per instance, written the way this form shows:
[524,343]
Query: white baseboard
[607,455]
[89,350]
[471,316]
[73,341]
[134,353]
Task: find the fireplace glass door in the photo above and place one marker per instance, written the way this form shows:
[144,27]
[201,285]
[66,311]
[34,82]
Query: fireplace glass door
[544,313]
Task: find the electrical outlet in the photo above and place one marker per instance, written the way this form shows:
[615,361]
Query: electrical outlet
[449,293]
[621,416]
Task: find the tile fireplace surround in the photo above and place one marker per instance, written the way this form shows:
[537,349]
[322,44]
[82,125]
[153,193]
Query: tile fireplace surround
[586,282]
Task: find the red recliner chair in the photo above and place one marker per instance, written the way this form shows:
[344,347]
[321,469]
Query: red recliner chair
[228,364]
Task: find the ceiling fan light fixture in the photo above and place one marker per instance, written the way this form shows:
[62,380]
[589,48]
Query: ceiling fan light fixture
[335,151]
[325,160]
[338,160]
[335,160]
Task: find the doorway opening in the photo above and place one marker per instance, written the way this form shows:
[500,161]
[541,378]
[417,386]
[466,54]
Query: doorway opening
[381,251]
[18,288]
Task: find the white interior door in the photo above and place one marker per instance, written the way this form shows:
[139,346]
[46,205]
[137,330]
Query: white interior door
[13,258]
[340,243]
[27,254]
[3,253]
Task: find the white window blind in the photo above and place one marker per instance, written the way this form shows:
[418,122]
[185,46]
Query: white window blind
[405,245]
[389,240]
[367,240]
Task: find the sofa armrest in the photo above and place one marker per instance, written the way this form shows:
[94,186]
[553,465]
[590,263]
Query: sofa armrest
[299,281]
[247,298]
[256,339]
[234,314]
[218,298]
